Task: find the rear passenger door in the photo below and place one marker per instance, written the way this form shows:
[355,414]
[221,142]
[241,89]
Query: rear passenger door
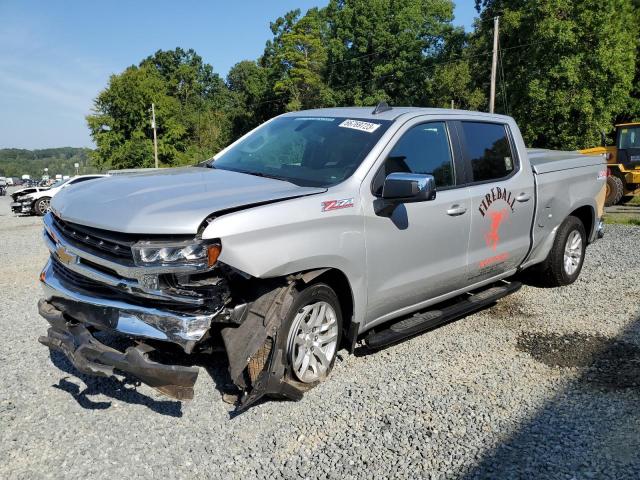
[502,196]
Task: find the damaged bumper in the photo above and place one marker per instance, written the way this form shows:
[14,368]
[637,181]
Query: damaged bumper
[184,329]
[90,356]
[21,207]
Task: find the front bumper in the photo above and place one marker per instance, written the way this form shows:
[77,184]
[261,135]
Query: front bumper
[90,356]
[184,329]
[21,207]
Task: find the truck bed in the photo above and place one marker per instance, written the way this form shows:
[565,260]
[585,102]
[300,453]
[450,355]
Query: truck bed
[563,180]
[547,161]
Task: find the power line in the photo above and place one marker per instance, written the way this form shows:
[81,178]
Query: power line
[432,65]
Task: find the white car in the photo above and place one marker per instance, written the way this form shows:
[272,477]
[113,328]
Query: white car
[38,202]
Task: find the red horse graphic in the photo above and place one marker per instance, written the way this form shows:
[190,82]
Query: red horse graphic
[493,237]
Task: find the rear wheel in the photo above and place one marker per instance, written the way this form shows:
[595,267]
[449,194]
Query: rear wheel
[564,262]
[615,190]
[42,206]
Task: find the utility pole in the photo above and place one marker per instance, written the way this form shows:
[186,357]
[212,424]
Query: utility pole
[494,64]
[155,138]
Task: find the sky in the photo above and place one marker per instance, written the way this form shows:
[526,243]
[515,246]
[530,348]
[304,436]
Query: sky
[55,56]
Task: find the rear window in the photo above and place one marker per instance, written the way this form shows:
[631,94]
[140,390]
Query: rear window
[488,151]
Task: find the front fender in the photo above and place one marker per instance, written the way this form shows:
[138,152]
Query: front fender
[293,236]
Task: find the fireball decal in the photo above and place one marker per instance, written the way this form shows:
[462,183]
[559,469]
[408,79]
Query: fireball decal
[497,217]
[493,236]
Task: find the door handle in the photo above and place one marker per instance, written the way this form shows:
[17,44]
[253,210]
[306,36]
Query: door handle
[523,197]
[456,210]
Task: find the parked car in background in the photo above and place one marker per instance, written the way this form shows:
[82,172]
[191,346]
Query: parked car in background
[37,202]
[20,193]
[314,230]
[3,186]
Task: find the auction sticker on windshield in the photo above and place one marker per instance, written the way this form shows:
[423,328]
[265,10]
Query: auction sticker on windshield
[360,125]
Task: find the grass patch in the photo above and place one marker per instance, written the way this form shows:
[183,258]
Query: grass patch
[622,219]
[634,201]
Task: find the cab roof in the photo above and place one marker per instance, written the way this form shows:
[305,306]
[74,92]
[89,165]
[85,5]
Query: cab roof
[392,114]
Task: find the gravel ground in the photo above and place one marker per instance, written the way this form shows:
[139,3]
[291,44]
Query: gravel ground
[543,385]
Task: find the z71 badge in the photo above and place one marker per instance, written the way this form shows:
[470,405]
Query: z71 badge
[337,204]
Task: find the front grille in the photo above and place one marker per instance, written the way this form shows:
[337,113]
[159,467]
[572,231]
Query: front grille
[92,287]
[77,280]
[116,245]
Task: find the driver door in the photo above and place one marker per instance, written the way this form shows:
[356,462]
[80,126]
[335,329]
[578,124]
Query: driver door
[419,251]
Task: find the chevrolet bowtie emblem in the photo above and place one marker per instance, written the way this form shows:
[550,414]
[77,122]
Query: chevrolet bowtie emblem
[63,256]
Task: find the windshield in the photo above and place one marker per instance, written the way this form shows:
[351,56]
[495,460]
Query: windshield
[629,137]
[306,151]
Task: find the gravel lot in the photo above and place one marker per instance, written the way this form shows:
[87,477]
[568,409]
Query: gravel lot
[546,384]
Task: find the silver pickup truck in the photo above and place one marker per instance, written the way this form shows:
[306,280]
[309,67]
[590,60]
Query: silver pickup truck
[315,230]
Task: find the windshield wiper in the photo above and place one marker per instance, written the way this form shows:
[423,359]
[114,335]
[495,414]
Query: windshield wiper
[263,175]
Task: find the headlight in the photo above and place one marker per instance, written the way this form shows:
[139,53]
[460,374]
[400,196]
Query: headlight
[155,254]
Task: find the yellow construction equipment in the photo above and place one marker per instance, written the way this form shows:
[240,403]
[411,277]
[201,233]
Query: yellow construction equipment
[623,163]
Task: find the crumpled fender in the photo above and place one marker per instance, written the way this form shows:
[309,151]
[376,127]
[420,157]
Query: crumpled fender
[256,365]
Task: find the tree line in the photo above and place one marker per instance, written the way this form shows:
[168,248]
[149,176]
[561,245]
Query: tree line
[15,162]
[567,70]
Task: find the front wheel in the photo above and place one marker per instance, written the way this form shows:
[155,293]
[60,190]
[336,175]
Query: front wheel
[42,206]
[564,262]
[313,325]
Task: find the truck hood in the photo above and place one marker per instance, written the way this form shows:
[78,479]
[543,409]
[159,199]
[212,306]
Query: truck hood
[172,201]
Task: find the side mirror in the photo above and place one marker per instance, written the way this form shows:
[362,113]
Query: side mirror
[603,138]
[408,188]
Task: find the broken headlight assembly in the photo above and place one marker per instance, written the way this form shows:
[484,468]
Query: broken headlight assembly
[195,252]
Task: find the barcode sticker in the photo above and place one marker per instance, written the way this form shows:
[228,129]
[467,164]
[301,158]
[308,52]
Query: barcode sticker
[360,125]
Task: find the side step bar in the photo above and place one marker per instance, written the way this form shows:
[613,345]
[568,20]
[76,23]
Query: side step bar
[421,322]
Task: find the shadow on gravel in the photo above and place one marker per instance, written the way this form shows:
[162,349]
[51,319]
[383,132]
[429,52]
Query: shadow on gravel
[592,428]
[124,390]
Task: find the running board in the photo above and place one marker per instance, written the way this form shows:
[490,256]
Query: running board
[421,322]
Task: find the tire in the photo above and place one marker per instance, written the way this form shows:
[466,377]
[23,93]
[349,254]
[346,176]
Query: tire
[564,262]
[315,345]
[615,191]
[41,206]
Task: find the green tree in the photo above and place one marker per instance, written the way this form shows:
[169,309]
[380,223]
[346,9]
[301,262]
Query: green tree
[386,49]
[296,59]
[451,78]
[568,66]
[191,103]
[247,82]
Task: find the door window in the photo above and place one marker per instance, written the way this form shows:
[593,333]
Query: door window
[423,149]
[488,151]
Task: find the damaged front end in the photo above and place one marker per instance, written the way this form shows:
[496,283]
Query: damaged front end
[103,281]
[90,356]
